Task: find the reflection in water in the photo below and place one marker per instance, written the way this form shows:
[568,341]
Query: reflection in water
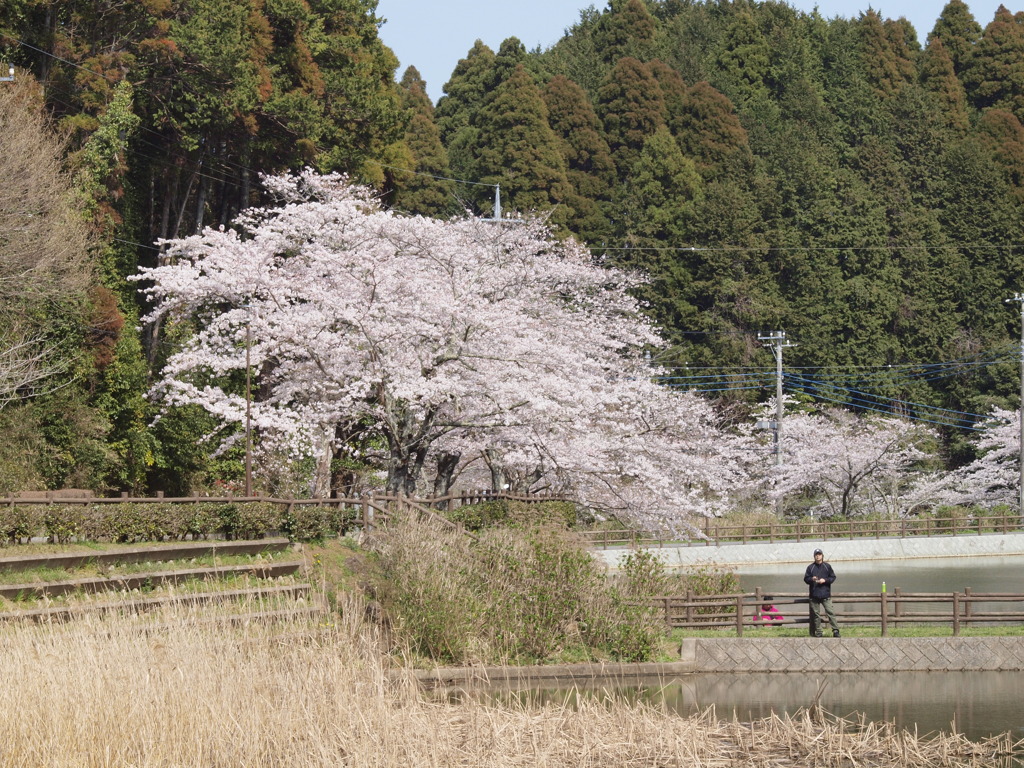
[980,704]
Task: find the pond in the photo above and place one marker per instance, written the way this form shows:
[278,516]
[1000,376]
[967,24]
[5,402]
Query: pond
[945,574]
[976,704]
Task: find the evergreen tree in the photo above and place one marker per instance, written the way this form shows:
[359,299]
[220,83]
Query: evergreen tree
[426,192]
[590,170]
[627,29]
[995,77]
[632,108]
[959,33]
[511,53]
[1002,133]
[884,54]
[572,118]
[743,59]
[658,199]
[711,134]
[938,76]
[978,212]
[464,93]
[518,150]
[673,91]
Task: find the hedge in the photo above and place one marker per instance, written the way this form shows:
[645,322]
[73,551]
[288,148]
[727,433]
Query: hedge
[160,521]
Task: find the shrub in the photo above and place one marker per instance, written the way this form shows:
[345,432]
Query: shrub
[19,524]
[637,633]
[504,512]
[306,522]
[63,522]
[523,593]
[249,520]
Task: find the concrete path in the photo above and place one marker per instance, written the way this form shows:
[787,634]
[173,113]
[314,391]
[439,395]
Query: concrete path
[761,553]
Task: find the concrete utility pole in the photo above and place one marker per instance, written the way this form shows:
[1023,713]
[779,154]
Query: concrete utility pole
[248,411]
[777,341]
[1019,298]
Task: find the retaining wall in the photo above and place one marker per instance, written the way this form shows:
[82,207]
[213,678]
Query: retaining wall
[784,654]
[855,654]
[760,553]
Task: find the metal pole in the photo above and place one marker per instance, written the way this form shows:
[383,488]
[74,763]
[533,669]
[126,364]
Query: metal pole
[1019,298]
[778,400]
[248,412]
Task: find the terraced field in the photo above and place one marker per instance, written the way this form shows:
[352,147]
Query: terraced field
[231,580]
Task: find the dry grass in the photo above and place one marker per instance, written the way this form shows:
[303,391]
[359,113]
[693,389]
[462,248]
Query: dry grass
[108,692]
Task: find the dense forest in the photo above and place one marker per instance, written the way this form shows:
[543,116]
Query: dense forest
[855,183]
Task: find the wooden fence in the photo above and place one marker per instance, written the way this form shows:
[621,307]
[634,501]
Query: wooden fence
[882,609]
[817,530]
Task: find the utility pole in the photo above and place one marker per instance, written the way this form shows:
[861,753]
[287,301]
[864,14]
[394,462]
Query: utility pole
[1019,298]
[777,341]
[248,410]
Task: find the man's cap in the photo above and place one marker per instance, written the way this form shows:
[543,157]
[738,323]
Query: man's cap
[818,552]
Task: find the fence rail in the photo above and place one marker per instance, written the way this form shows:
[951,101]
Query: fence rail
[715,534]
[886,610]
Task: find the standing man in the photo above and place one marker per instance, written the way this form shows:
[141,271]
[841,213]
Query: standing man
[819,577]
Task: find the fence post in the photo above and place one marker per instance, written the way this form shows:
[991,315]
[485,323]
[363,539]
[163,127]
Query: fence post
[956,614]
[885,614]
[739,615]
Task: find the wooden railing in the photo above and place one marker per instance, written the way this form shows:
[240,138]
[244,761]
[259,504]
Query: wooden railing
[716,534]
[886,610]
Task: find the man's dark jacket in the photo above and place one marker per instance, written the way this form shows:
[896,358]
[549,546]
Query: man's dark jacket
[822,571]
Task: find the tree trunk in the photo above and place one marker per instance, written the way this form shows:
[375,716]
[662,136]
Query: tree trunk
[446,466]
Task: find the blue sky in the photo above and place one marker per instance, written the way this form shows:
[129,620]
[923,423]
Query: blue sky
[433,35]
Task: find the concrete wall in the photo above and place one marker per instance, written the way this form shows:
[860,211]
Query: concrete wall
[839,549]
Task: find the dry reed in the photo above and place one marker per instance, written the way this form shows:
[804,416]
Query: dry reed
[114,691]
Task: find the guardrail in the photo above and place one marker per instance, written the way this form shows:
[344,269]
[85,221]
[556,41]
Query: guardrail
[818,530]
[885,610]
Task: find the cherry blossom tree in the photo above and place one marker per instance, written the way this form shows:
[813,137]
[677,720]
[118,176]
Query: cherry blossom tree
[852,464]
[993,478]
[453,345]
